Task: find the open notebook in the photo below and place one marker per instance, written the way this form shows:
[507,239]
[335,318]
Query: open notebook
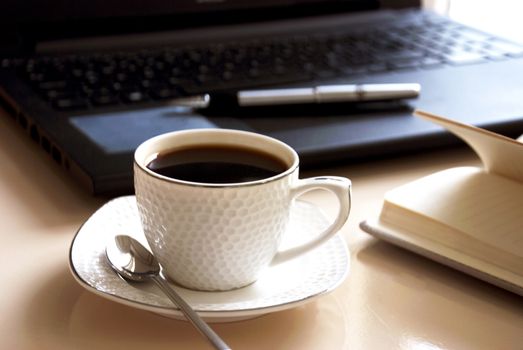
[469,218]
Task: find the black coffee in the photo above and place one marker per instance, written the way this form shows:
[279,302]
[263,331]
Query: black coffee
[217,164]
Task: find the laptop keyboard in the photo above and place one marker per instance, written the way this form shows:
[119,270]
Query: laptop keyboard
[111,79]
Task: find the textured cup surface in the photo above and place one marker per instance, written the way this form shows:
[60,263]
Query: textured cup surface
[220,236]
[213,238]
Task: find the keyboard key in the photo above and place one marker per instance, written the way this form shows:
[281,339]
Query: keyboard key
[464,57]
[104,100]
[52,85]
[430,62]
[403,55]
[506,47]
[133,96]
[355,70]
[52,95]
[377,67]
[405,63]
[70,103]
[162,93]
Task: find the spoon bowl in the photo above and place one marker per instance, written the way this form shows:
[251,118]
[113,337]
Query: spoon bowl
[132,261]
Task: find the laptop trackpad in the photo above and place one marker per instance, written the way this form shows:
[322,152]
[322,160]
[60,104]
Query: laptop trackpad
[124,131]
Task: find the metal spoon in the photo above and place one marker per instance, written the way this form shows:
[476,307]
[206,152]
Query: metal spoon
[131,260]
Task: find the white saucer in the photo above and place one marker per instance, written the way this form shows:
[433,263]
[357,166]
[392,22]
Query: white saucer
[279,287]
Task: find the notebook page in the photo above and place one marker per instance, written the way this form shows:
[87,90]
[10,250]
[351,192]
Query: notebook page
[500,155]
[483,206]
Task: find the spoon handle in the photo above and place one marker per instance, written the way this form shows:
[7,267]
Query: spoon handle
[191,315]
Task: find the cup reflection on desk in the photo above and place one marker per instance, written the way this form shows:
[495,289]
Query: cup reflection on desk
[215,203]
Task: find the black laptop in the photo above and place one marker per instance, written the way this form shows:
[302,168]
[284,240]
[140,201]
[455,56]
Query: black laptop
[90,80]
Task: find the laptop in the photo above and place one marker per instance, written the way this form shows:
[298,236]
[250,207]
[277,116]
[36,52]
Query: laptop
[88,83]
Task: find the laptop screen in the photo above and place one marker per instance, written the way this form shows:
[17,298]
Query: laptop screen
[57,10]
[37,21]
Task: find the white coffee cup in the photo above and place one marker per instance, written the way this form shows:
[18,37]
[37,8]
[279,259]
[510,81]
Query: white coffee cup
[216,236]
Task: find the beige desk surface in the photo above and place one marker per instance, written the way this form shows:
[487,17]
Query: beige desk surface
[391,299]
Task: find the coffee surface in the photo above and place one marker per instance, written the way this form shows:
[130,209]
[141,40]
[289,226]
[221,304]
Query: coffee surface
[217,164]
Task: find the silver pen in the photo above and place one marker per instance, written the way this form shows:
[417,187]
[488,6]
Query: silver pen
[328,94]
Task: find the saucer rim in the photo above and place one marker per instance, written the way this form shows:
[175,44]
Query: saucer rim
[240,314]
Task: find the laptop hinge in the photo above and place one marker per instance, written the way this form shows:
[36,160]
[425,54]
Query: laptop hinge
[13,43]
[399,4]
[203,35]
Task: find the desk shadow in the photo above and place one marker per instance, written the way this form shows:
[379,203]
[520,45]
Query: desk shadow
[435,278]
[64,313]
[415,272]
[42,186]
[423,304]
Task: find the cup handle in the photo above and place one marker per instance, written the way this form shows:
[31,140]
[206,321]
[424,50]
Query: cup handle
[339,186]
